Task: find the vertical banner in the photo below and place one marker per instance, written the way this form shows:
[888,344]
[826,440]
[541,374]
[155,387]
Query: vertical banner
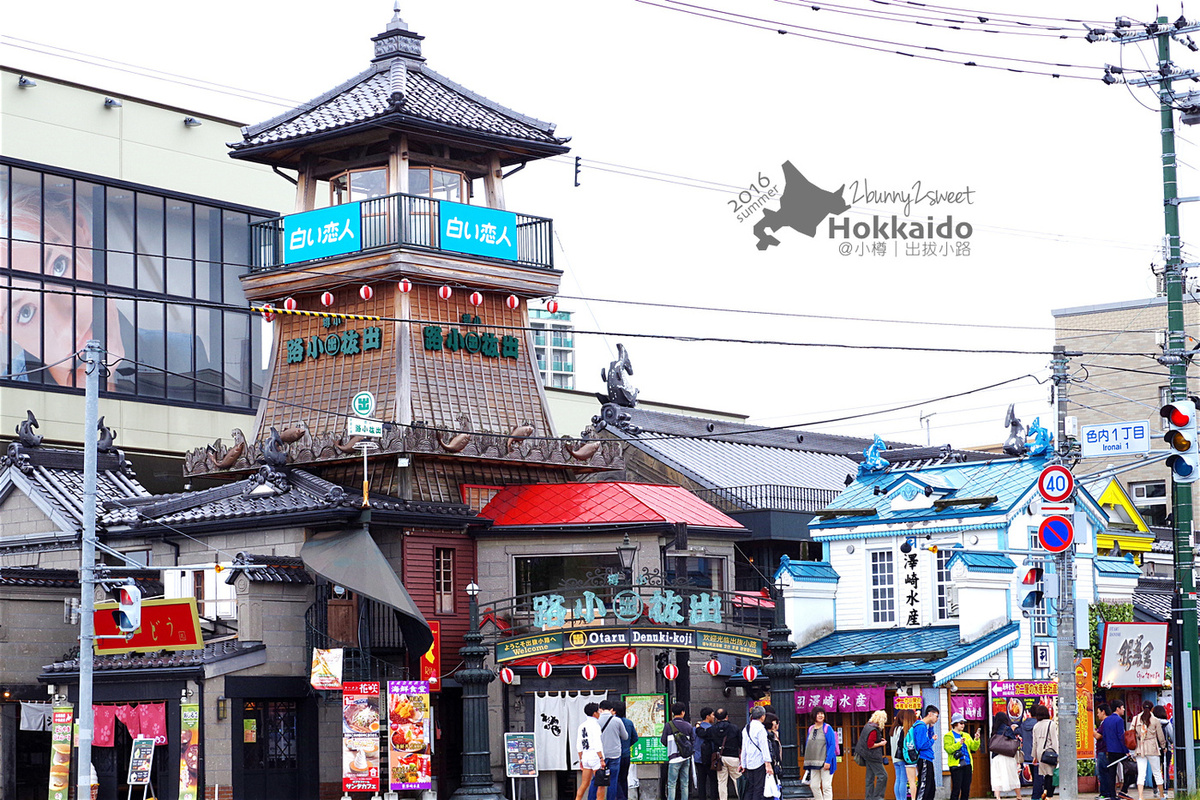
[409,732]
[189,750]
[1085,716]
[326,673]
[360,736]
[60,752]
[648,713]
[431,662]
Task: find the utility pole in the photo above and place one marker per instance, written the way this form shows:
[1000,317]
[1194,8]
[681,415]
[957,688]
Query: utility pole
[1068,755]
[93,355]
[1187,699]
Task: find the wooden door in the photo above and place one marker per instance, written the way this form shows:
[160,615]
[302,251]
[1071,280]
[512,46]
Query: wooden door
[343,619]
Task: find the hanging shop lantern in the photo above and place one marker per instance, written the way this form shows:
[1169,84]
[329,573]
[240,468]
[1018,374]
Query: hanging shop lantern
[670,672]
[506,676]
[629,660]
[544,669]
[588,672]
[552,306]
[512,301]
[268,312]
[290,303]
[444,292]
[405,285]
[750,673]
[327,299]
[713,667]
[366,292]
[476,298]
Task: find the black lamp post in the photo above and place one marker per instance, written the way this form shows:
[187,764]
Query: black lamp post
[474,678]
[627,553]
[782,671]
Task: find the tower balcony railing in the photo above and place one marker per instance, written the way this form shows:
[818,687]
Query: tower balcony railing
[403,220]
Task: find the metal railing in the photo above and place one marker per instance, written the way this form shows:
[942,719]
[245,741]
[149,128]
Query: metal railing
[768,497]
[377,627]
[405,220]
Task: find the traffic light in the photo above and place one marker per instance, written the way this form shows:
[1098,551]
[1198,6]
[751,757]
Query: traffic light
[1033,577]
[128,613]
[1180,437]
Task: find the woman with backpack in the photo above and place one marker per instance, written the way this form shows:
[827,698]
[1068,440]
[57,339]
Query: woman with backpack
[1150,742]
[820,756]
[1045,742]
[1005,746]
[906,774]
[1168,728]
[869,753]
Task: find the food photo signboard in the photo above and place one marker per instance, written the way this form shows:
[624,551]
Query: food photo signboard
[408,735]
[60,752]
[360,736]
[141,759]
[520,755]
[189,750]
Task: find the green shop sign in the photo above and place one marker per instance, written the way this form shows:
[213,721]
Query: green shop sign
[485,343]
[345,343]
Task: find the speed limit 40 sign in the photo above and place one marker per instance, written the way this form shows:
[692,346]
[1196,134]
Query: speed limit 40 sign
[1056,483]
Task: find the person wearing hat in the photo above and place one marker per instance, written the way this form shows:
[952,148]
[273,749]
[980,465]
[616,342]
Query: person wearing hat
[959,745]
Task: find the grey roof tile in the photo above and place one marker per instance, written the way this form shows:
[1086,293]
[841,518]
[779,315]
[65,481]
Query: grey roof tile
[180,659]
[269,569]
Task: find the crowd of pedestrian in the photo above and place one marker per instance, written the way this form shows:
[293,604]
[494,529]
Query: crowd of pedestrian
[1127,751]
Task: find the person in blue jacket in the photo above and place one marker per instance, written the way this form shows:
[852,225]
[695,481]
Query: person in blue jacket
[820,756]
[925,739]
[626,746]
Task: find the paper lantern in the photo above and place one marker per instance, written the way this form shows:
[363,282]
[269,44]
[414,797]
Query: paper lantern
[506,675]
[405,285]
[713,667]
[268,314]
[750,673]
[476,298]
[552,306]
[670,672]
[588,672]
[512,302]
[629,660]
[444,292]
[327,299]
[544,669]
[366,292]
[290,303]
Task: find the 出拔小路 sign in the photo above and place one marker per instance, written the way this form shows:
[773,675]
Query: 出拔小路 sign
[478,231]
[321,233]
[345,343]
[485,343]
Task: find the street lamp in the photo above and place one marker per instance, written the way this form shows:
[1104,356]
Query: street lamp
[474,679]
[627,553]
[782,671]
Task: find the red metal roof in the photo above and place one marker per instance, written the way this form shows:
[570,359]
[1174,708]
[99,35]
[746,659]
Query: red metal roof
[601,503]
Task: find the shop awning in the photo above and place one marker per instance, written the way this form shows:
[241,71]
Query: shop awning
[352,559]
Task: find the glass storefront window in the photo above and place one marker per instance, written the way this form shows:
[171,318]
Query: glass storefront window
[358,184]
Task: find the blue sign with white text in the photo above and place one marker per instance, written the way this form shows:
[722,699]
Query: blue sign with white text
[323,232]
[478,231]
[1115,438]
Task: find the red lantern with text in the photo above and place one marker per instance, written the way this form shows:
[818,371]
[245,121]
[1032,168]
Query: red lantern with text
[629,660]
[290,303]
[506,675]
[445,292]
[513,302]
[544,669]
[405,285]
[476,298]
[366,292]
[552,306]
[750,673]
[588,672]
[713,667]
[670,672]
[327,299]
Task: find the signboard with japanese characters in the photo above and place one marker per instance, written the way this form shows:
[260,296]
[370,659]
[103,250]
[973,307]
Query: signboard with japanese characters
[906,702]
[648,713]
[326,672]
[468,340]
[520,756]
[360,736]
[189,750]
[141,759]
[969,705]
[624,638]
[321,233]
[1115,438]
[409,729]
[911,610]
[847,699]
[60,753]
[1134,654]
[349,342]
[431,662]
[478,231]
[166,625]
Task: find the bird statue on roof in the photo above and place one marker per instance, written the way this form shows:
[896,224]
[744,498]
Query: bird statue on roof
[619,391]
[104,442]
[872,460]
[1042,439]
[25,434]
[1015,444]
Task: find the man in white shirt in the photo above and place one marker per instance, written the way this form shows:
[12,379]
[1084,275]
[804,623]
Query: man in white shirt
[756,755]
[591,752]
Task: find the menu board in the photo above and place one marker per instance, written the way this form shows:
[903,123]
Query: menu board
[648,713]
[520,756]
[360,736]
[189,750]
[408,735]
[141,757]
[60,753]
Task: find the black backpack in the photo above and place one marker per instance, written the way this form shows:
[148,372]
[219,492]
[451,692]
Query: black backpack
[683,742]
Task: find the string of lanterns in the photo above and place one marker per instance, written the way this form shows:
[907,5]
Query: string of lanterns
[630,660]
[366,292]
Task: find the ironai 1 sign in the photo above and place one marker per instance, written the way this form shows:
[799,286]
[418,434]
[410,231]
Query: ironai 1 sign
[1115,438]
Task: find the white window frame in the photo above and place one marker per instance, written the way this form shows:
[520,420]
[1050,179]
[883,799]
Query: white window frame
[883,596]
[943,582]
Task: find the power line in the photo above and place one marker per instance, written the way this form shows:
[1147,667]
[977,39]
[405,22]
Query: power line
[945,23]
[1001,14]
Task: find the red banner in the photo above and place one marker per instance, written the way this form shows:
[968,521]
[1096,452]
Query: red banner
[166,625]
[431,662]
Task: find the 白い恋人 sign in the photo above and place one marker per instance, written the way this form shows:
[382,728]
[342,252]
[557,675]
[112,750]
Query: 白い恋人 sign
[1115,438]
[321,233]
[478,231]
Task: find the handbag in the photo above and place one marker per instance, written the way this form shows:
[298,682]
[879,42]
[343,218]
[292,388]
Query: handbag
[716,762]
[770,787]
[1131,741]
[1000,745]
[601,777]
